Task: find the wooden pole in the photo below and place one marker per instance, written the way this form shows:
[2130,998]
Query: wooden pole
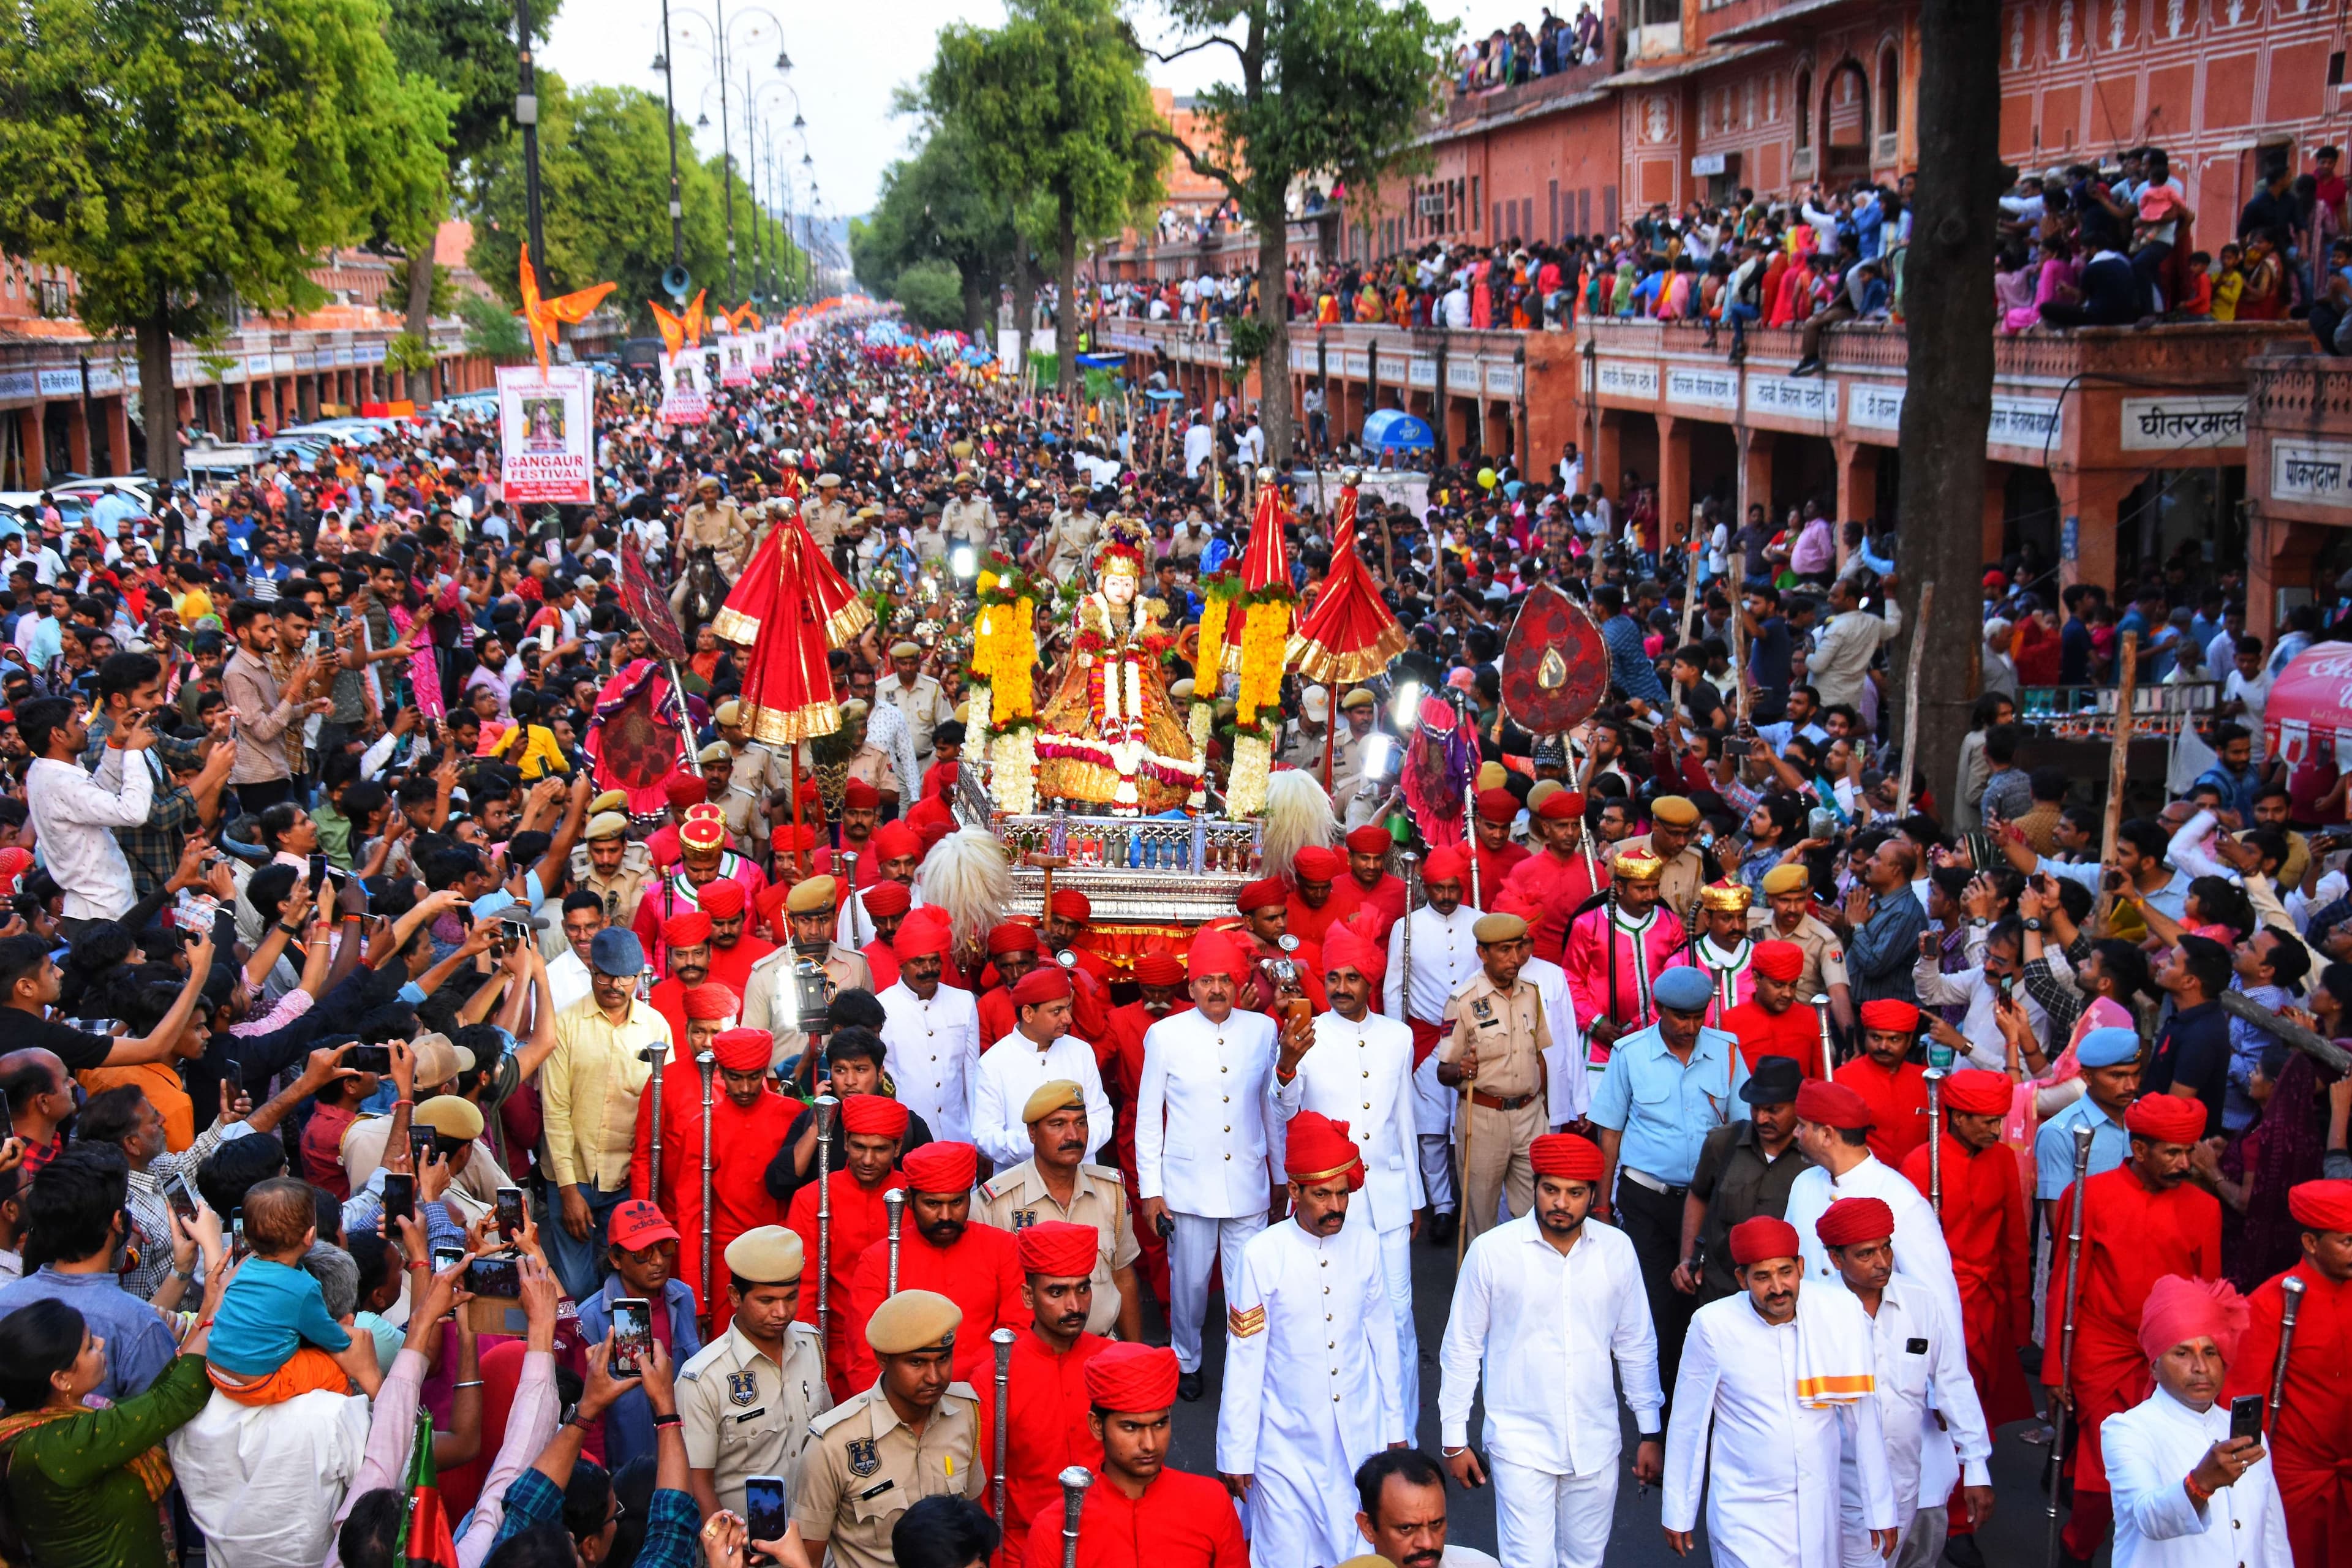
[2119,754]
[1911,694]
[800,854]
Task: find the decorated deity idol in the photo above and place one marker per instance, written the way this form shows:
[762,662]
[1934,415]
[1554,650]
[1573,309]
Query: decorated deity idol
[1110,736]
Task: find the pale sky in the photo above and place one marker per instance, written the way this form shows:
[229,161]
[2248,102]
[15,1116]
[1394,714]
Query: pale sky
[847,59]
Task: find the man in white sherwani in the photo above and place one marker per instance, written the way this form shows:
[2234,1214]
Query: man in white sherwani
[931,1035]
[2187,1494]
[1312,1388]
[1548,1304]
[1782,1381]
[1354,1066]
[1926,1397]
[1204,1155]
[1444,954]
[1039,1050]
[1833,1127]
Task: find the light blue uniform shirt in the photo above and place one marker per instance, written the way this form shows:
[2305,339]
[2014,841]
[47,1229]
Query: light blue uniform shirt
[2170,901]
[1666,1108]
[2053,1147]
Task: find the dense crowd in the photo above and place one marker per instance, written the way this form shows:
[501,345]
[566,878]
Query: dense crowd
[404,970]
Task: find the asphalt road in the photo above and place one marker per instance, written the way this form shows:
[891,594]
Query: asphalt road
[2013,1538]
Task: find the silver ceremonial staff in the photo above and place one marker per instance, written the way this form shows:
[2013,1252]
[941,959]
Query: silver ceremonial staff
[894,1203]
[2066,1338]
[1822,1016]
[828,1111]
[657,1055]
[1002,1340]
[1074,1482]
[708,1065]
[2290,1290]
[1935,1077]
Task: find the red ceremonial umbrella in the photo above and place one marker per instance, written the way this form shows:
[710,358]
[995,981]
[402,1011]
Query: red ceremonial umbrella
[1348,634]
[1263,562]
[2309,711]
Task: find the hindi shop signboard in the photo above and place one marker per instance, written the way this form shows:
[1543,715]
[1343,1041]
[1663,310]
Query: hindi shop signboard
[546,434]
[685,399]
[2311,471]
[2181,424]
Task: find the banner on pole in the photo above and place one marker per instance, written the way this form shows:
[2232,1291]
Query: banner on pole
[685,400]
[735,360]
[547,433]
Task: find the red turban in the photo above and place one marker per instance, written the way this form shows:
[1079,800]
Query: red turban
[690,928]
[1831,1105]
[1319,1148]
[1497,804]
[702,832]
[1133,1378]
[1267,893]
[710,1002]
[721,898]
[931,809]
[1566,1155]
[1072,905]
[1316,863]
[1158,967]
[1973,1091]
[2166,1118]
[1371,840]
[1057,1248]
[887,898]
[933,832]
[1213,953]
[1012,938]
[2321,1206]
[1754,1240]
[919,939]
[857,795]
[1850,1220]
[875,1115]
[1779,960]
[1448,865]
[941,1168]
[1046,982]
[1561,805]
[744,1050]
[894,841]
[1890,1013]
[2179,1309]
[685,788]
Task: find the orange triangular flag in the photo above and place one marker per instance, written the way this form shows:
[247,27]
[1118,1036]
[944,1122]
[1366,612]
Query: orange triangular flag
[673,331]
[740,315]
[695,318]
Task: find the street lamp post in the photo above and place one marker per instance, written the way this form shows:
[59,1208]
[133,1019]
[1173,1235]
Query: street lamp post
[526,114]
[669,103]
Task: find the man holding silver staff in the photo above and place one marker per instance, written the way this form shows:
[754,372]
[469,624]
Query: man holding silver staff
[1135,1504]
[972,1265]
[837,1222]
[1431,952]
[1045,1411]
[2299,1352]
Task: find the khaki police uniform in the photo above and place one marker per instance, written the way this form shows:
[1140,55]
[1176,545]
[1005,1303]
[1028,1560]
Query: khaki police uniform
[744,1415]
[826,517]
[769,1005]
[1015,1199]
[1824,954]
[747,819]
[1070,540]
[863,1468]
[719,527]
[1679,883]
[623,888]
[923,705]
[1506,1111]
[757,769]
[968,520]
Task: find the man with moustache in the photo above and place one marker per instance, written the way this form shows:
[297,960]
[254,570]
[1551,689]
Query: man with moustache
[1056,1183]
[1045,1425]
[733,949]
[1548,1305]
[1312,1386]
[872,1126]
[932,1030]
[1556,882]
[1012,952]
[747,1398]
[1401,1504]
[1041,1050]
[943,1250]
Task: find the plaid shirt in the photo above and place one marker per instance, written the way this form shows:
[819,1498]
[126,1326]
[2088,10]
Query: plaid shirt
[154,846]
[672,1520]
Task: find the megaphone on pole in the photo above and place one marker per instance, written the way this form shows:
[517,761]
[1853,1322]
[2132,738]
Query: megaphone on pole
[676,281]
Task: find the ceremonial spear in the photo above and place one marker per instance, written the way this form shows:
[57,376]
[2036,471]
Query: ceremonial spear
[828,1108]
[706,1063]
[1002,1340]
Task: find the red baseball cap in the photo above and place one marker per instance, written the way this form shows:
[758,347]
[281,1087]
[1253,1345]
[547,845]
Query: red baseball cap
[637,1225]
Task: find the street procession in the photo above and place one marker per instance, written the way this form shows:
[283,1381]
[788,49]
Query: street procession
[814,902]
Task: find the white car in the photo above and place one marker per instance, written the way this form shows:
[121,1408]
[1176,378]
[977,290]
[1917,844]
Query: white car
[136,488]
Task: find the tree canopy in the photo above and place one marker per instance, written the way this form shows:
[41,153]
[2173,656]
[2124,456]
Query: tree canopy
[930,209]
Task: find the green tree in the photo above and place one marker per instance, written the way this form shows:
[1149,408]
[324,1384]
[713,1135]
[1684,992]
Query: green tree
[930,209]
[1329,89]
[468,46]
[493,331]
[932,292]
[186,156]
[1056,103]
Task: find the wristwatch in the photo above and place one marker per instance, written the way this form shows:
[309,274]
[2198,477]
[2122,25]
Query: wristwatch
[1979,921]
[2033,923]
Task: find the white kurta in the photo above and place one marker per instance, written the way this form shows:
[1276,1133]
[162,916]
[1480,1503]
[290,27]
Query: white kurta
[1312,1388]
[1771,1471]
[1920,1365]
[1445,955]
[1920,1252]
[1202,1136]
[1011,1070]
[2148,1448]
[1570,1086]
[932,1050]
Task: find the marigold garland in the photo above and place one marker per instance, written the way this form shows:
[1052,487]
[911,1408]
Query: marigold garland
[1265,637]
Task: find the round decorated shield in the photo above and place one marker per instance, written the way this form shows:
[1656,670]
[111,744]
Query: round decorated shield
[1554,663]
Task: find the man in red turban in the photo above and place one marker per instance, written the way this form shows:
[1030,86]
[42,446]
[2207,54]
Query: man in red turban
[1138,1507]
[1011,952]
[1319,892]
[703,858]
[684,963]
[1369,884]
[2141,1221]
[972,1265]
[861,814]
[1160,978]
[734,948]
[1264,906]
[1090,973]
[1493,855]
[1046,1430]
[1774,1020]
[883,909]
[1985,1226]
[2310,1439]
[749,1120]
[1563,878]
[1895,1087]
[864,1166]
[1041,1048]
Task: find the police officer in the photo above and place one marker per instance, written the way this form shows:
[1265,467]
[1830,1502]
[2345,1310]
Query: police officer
[1787,915]
[747,1398]
[1674,821]
[747,823]
[826,514]
[771,991]
[714,523]
[756,768]
[919,699]
[1495,1040]
[967,519]
[914,1434]
[612,867]
[1057,1182]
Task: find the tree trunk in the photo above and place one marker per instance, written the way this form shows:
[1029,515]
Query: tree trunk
[1947,276]
[419,324]
[1065,300]
[1024,304]
[977,324]
[1273,315]
[157,401]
